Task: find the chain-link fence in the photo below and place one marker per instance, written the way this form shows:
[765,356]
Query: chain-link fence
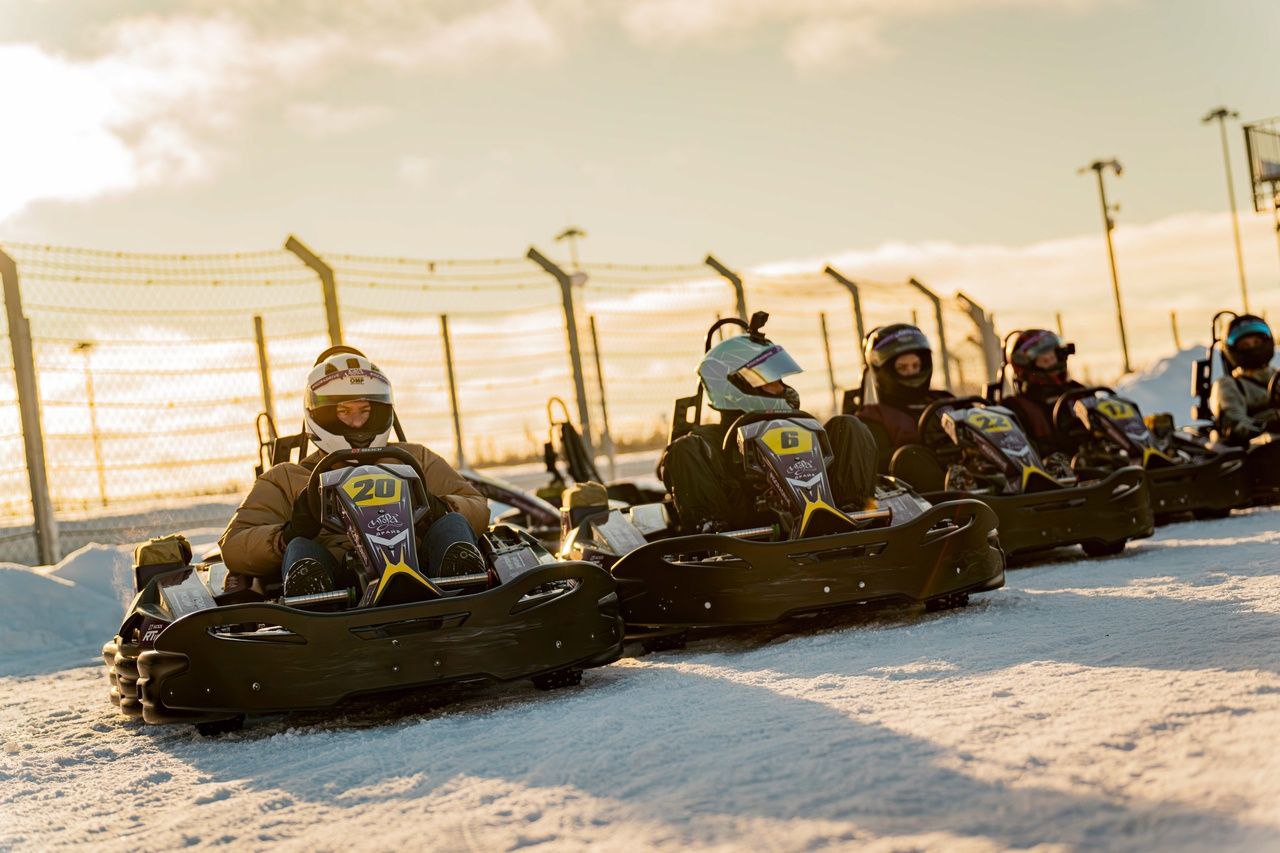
[151,371]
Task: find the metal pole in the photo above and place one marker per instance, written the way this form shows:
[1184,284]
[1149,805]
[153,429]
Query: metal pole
[84,348]
[942,330]
[1108,225]
[1177,339]
[987,336]
[45,526]
[740,296]
[571,331]
[858,326]
[606,437]
[264,374]
[327,284]
[1222,114]
[453,390]
[1057,316]
[831,368]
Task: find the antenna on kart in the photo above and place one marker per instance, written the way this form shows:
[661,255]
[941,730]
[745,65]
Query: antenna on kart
[730,321]
[1202,369]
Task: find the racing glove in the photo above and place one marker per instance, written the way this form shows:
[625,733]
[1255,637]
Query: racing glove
[302,522]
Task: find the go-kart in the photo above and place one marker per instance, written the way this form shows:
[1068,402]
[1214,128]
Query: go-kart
[814,555]
[973,448]
[1184,474]
[190,651]
[1262,453]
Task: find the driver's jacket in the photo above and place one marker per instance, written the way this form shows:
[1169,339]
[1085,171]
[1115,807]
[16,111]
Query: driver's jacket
[249,544]
[897,423]
[1241,406]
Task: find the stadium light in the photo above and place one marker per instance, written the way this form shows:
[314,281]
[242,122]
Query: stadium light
[1098,167]
[1221,114]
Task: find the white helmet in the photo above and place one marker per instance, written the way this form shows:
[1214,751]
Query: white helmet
[344,377]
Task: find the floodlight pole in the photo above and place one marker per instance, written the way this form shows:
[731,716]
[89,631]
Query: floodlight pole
[1108,224]
[1222,114]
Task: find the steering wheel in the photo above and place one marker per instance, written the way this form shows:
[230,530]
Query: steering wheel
[363,455]
[933,412]
[1063,418]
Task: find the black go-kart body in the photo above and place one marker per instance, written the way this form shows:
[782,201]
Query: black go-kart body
[1036,511]
[815,557]
[1185,473]
[189,652]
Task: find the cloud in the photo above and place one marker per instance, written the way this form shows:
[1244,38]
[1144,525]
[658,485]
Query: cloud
[817,34]
[1182,263]
[321,118]
[415,170]
[140,111]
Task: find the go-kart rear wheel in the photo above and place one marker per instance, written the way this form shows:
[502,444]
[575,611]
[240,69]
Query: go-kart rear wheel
[217,728]
[1096,548]
[1210,514]
[951,601]
[559,678]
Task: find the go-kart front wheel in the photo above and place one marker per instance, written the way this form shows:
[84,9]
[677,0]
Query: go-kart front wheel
[1095,548]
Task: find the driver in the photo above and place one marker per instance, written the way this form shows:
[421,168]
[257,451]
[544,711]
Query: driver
[743,375]
[348,404]
[901,363]
[1040,378]
[1241,403]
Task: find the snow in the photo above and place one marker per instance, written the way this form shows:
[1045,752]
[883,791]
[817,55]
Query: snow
[1166,387]
[1130,703]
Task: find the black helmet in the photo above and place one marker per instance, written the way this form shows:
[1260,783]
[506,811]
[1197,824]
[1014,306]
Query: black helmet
[1249,344]
[1023,350]
[884,346]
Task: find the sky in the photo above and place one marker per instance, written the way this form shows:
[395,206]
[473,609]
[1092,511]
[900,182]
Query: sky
[923,137]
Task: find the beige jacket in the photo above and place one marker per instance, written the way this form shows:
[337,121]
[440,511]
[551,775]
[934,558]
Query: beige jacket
[250,544]
[1241,408]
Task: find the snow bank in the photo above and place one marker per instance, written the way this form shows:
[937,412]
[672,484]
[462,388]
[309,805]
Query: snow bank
[1166,387]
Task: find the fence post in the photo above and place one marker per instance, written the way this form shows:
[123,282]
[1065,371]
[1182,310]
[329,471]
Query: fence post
[24,370]
[566,283]
[453,389]
[84,348]
[857,308]
[264,374]
[1057,318]
[740,296]
[942,331]
[831,368]
[606,437]
[1177,339]
[327,284]
[986,334]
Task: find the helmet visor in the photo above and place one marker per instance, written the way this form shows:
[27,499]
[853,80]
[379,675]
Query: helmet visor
[769,366]
[1248,326]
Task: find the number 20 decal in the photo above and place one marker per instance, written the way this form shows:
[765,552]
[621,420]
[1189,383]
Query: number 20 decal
[373,489]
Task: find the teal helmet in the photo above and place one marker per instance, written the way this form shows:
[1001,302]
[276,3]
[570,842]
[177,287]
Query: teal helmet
[735,371]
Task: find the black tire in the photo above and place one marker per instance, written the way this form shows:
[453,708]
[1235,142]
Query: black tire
[952,601]
[1094,548]
[559,678]
[1210,514]
[218,728]
[665,642]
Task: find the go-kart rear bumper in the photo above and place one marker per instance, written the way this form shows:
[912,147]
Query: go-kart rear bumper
[1114,509]
[711,580]
[197,672]
[1219,483]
